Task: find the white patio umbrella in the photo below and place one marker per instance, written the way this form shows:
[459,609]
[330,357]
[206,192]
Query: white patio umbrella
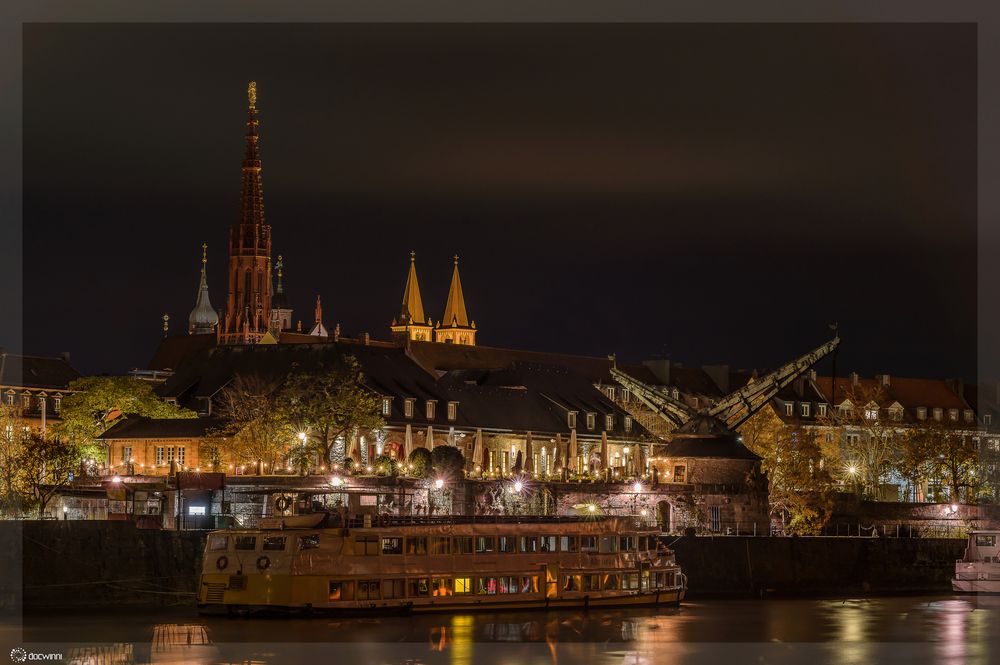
[478,451]
[572,453]
[604,450]
[429,441]
[529,454]
[407,442]
[557,451]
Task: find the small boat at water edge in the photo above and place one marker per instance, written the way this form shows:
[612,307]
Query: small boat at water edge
[979,570]
[439,566]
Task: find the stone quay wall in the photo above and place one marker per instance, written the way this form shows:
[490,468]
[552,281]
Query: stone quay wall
[735,565]
[103,564]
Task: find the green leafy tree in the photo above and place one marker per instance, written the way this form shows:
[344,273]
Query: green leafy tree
[448,462]
[800,486]
[101,401]
[945,452]
[329,404]
[46,465]
[13,437]
[385,466]
[255,430]
[420,460]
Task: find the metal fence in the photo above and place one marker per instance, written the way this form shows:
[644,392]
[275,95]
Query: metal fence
[925,529]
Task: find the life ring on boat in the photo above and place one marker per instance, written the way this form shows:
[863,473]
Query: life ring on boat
[222,562]
[263,563]
[282,503]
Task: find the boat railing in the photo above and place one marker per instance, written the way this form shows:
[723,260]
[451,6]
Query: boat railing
[387,520]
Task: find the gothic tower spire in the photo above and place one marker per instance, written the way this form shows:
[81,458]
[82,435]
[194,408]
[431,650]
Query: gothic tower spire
[203,318]
[411,323]
[248,307]
[454,327]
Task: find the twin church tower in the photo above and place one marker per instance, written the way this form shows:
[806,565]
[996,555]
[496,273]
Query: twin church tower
[256,315]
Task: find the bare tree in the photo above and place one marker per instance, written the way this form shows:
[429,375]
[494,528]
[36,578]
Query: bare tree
[255,432]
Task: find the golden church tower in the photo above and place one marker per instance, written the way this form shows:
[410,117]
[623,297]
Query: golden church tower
[411,322]
[455,327]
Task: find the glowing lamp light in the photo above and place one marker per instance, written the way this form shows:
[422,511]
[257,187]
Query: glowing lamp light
[637,487]
[302,437]
[954,508]
[518,486]
[116,479]
[368,469]
[439,483]
[643,512]
[336,481]
[852,469]
[591,508]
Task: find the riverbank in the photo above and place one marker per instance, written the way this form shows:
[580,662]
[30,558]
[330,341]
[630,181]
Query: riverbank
[81,564]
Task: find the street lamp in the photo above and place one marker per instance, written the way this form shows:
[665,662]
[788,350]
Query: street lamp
[438,483]
[518,486]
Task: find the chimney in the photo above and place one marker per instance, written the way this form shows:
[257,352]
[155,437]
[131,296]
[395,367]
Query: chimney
[720,375]
[64,355]
[660,367]
[883,380]
[855,379]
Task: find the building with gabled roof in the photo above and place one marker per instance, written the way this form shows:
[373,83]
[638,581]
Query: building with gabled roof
[35,386]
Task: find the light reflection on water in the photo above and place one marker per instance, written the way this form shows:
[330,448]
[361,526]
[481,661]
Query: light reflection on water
[942,629]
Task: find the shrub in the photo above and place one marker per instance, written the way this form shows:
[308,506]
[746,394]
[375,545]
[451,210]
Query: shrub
[420,459]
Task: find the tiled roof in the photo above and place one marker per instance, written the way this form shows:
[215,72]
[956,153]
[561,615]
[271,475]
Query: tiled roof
[174,350]
[35,372]
[137,427]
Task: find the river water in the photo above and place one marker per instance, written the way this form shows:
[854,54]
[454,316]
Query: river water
[903,629]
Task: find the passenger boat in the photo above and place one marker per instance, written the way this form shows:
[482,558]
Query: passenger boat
[979,570]
[440,565]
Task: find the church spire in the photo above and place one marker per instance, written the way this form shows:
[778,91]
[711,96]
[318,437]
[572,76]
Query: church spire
[203,318]
[248,306]
[411,323]
[454,327]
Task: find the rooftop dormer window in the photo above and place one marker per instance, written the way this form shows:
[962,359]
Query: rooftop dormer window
[789,409]
[953,415]
[609,422]
[804,410]
[386,406]
[938,414]
[408,407]
[431,408]
[628,423]
[821,410]
[591,420]
[571,419]
[452,411]
[921,413]
[968,416]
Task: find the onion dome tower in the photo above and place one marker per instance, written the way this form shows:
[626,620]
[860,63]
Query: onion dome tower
[203,319]
[411,323]
[248,307]
[454,327]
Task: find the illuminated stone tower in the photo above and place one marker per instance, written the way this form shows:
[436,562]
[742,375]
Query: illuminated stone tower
[411,323]
[248,307]
[454,327]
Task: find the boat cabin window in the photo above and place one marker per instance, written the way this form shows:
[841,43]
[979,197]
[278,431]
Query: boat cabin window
[416,545]
[463,585]
[630,581]
[246,542]
[416,588]
[392,545]
[485,545]
[487,586]
[366,546]
[440,545]
[529,544]
[628,543]
[609,582]
[588,543]
[463,544]
[645,580]
[507,584]
[394,588]
[592,582]
[663,580]
[507,544]
[341,591]
[218,543]
[986,541]
[274,544]
[572,583]
[309,542]
[369,590]
[547,543]
[529,584]
[442,586]
[569,544]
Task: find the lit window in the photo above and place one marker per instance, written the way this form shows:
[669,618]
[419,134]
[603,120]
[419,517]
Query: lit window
[805,410]
[968,415]
[571,419]
[676,393]
[56,404]
[180,455]
[159,455]
[921,413]
[10,399]
[26,401]
[871,413]
[126,454]
[452,411]
[821,410]
[789,408]
[431,405]
[988,419]
[386,406]
[463,585]
[628,423]
[41,403]
[591,418]
[609,422]
[196,510]
[953,415]
[408,407]
[938,413]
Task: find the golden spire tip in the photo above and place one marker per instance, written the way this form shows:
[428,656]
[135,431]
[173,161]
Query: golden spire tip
[252,94]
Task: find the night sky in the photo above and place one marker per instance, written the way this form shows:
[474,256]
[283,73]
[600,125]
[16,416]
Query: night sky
[716,192]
